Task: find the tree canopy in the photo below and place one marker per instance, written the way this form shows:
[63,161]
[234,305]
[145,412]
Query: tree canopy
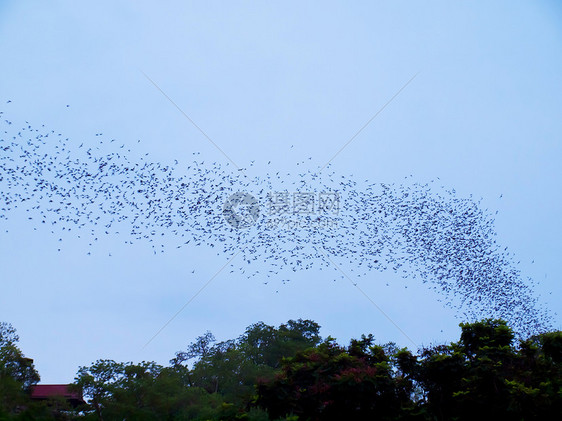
[290,373]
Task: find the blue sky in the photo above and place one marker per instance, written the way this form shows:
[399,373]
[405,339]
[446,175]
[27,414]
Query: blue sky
[482,114]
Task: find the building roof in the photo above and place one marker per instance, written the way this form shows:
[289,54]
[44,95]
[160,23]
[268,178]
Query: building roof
[48,391]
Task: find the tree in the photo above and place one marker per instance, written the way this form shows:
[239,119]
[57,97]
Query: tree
[199,349]
[230,368]
[17,374]
[486,375]
[331,382]
[98,383]
[8,334]
[145,391]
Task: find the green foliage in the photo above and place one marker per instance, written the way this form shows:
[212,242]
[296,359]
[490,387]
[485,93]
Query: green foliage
[144,391]
[17,374]
[8,334]
[331,382]
[290,373]
[231,368]
[485,373]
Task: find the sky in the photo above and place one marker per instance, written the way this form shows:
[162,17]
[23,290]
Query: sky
[277,83]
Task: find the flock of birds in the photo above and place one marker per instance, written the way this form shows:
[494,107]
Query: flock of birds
[416,230]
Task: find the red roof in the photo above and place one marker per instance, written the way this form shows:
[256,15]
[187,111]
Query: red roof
[47,391]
